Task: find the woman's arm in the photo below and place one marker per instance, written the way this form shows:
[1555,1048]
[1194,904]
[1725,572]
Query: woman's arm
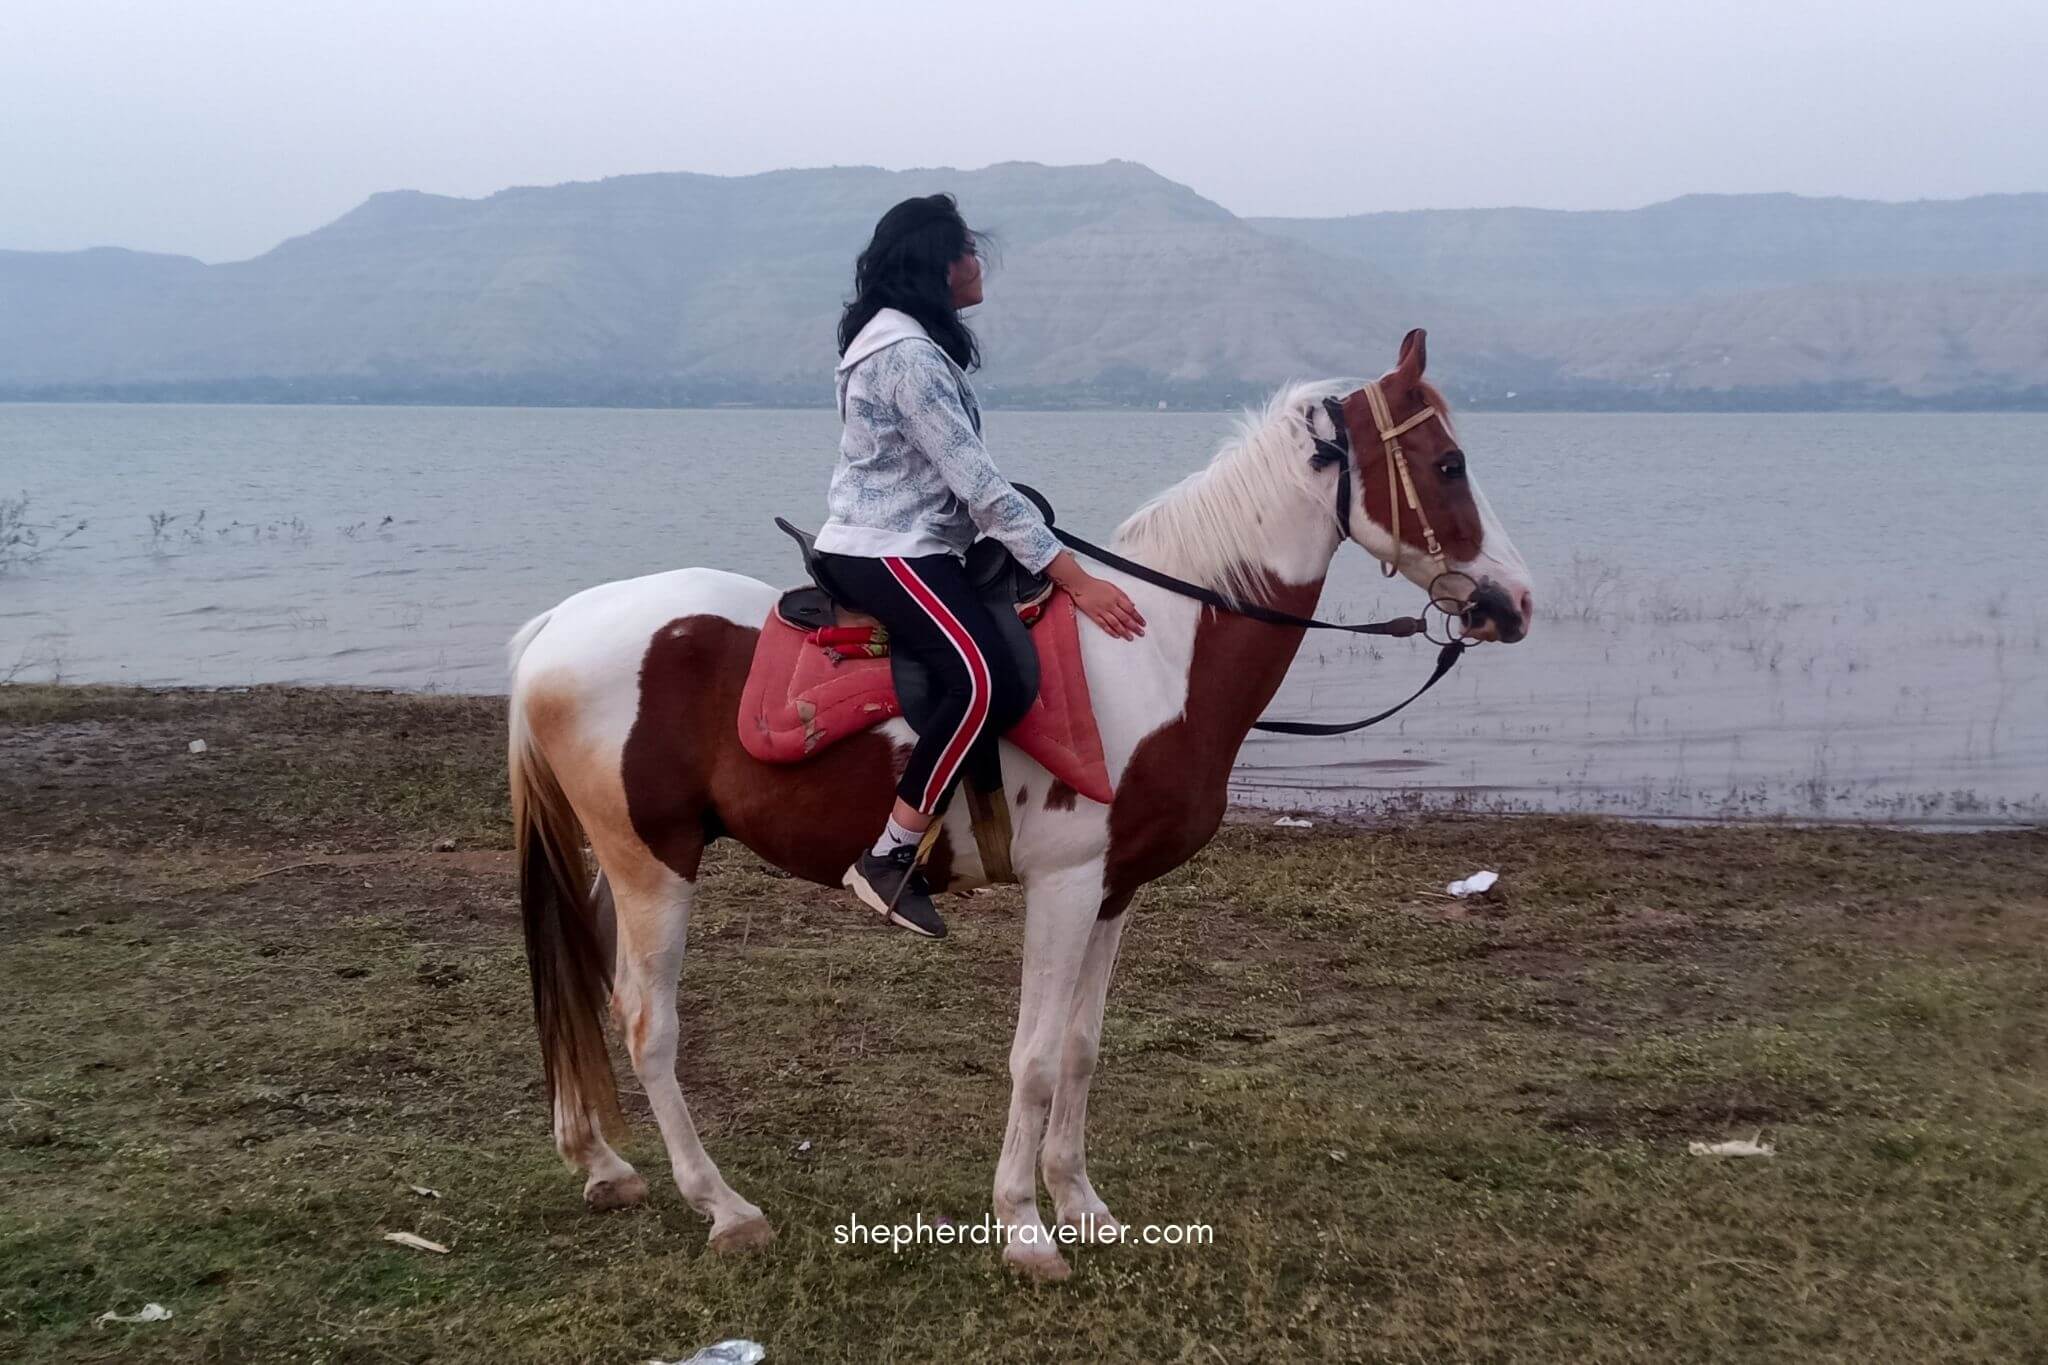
[936,421]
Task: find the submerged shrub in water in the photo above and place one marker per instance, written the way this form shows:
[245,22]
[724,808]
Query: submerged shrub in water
[24,542]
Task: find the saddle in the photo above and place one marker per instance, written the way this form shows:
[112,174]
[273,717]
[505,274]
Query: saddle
[822,671]
[1015,596]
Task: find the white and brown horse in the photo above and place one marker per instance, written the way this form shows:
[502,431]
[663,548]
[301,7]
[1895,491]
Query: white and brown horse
[624,729]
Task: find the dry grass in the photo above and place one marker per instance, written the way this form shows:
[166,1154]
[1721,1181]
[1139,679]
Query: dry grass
[1421,1130]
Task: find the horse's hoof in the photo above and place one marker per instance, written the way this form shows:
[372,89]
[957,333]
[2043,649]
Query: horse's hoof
[746,1235]
[1040,1264]
[605,1196]
[1097,1226]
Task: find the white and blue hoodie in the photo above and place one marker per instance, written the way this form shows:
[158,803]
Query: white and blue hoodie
[913,477]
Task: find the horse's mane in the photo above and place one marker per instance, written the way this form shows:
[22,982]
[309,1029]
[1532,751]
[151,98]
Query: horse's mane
[1208,528]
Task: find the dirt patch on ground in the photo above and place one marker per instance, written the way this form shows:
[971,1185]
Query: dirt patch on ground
[1720,1109]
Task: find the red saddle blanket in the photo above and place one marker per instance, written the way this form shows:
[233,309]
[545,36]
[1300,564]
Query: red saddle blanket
[800,700]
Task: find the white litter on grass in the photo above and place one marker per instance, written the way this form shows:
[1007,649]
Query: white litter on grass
[418,1243]
[197,746]
[738,1351]
[1476,884]
[423,1192]
[151,1312]
[1289,822]
[1754,1146]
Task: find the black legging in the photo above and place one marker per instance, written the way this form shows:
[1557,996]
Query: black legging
[935,618]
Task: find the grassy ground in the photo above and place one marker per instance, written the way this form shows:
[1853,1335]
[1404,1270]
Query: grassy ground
[246,1006]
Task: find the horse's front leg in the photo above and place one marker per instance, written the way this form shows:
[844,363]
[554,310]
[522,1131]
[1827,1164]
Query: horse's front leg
[1059,917]
[1064,1159]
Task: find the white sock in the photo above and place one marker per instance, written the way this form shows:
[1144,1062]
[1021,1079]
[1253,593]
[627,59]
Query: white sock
[894,836]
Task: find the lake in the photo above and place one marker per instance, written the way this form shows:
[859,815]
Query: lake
[1816,615]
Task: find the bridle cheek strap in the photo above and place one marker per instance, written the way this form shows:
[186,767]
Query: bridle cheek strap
[1336,449]
[1400,484]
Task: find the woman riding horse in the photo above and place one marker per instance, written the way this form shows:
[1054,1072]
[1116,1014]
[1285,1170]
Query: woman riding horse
[912,487]
[625,729]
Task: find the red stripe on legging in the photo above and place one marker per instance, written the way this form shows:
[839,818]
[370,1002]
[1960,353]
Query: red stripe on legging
[955,752]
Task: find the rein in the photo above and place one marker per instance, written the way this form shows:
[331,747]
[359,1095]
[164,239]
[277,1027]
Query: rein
[1337,450]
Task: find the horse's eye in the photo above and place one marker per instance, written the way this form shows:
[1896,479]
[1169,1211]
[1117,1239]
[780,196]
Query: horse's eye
[1452,467]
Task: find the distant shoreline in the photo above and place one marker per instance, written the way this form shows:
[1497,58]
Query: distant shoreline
[1734,404]
[138,700]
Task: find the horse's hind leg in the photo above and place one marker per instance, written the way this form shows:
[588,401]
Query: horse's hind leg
[611,1182]
[653,920]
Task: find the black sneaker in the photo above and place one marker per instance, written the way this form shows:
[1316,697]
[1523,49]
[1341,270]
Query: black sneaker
[894,887]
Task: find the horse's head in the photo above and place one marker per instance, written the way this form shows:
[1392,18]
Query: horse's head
[1415,507]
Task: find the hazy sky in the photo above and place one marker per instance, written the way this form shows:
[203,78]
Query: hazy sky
[219,127]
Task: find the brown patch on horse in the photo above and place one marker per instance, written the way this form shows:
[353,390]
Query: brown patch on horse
[687,780]
[1059,796]
[1429,449]
[1174,793]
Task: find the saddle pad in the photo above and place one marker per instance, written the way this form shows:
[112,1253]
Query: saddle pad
[799,702]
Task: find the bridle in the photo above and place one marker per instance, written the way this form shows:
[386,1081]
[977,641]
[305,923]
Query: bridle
[1400,487]
[1400,483]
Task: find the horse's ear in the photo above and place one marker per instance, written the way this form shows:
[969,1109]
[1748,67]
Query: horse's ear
[1414,355]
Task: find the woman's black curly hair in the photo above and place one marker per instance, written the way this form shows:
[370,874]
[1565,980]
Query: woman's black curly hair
[904,267]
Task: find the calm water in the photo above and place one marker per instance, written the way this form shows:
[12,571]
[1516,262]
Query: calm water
[1820,615]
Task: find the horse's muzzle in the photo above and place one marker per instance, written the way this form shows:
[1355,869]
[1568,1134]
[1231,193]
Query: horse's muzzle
[1491,614]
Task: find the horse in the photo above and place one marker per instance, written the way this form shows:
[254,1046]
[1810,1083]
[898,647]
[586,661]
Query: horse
[623,731]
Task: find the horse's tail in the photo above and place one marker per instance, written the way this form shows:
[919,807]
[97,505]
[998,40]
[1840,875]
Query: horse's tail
[521,638]
[568,965]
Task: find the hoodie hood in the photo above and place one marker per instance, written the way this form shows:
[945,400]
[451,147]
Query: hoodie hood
[884,330]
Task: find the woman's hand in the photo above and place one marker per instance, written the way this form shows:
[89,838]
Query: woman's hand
[1108,606]
[1100,600]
